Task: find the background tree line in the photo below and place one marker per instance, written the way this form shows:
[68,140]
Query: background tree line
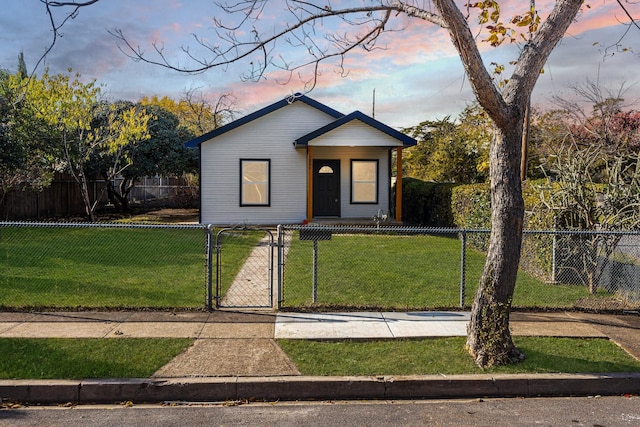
[591,121]
[59,123]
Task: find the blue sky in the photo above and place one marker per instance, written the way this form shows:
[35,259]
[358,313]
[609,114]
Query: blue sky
[417,77]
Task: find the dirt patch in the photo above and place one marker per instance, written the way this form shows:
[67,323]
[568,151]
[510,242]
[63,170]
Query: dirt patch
[606,304]
[169,216]
[230,357]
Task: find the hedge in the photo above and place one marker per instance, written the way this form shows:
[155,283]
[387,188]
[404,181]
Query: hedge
[427,203]
[466,206]
[471,207]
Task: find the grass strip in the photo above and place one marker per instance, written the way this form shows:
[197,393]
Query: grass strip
[74,358]
[447,356]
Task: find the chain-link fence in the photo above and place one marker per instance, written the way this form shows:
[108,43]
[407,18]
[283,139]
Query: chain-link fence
[428,268]
[87,265]
[62,265]
[604,265]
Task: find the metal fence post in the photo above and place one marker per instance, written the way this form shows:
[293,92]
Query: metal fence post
[314,292]
[209,250]
[280,244]
[463,265]
[554,248]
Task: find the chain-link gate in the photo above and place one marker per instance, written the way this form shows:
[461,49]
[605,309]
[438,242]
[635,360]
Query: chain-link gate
[244,268]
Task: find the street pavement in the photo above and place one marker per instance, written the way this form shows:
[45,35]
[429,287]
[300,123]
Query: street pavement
[235,355]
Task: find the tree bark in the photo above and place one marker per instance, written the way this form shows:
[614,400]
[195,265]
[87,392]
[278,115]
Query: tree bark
[84,190]
[125,189]
[489,339]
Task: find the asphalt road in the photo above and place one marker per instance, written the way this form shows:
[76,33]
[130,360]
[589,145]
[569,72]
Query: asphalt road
[582,411]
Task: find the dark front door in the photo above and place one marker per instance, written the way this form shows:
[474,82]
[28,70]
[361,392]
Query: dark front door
[326,188]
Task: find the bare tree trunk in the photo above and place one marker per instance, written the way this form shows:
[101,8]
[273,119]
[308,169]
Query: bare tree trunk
[84,190]
[489,340]
[112,194]
[125,190]
[77,171]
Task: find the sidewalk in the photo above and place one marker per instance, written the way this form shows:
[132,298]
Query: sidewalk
[235,355]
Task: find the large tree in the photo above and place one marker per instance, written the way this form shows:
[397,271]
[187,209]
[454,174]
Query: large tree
[28,159]
[69,107]
[162,153]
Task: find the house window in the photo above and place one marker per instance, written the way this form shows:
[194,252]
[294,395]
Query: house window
[364,181]
[255,182]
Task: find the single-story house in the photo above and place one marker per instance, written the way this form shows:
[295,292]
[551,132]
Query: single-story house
[299,160]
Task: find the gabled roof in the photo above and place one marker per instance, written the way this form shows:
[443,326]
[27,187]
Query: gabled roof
[406,140]
[262,112]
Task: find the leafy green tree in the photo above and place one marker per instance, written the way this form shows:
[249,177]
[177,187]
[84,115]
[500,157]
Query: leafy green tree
[162,153]
[450,151]
[28,159]
[12,155]
[22,67]
[69,106]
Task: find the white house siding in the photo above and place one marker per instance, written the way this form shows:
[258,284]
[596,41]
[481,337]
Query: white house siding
[345,154]
[355,133]
[268,137]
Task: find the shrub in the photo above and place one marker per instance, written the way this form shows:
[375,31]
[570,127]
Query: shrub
[427,203]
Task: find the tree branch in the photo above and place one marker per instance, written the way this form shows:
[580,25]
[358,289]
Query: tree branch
[301,33]
[55,28]
[465,43]
[537,50]
[626,11]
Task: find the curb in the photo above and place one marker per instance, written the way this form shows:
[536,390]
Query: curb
[223,389]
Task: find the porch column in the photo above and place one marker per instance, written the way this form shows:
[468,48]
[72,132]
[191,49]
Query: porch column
[399,184]
[310,183]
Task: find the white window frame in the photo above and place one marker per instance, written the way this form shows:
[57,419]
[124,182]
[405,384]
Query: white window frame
[354,183]
[245,183]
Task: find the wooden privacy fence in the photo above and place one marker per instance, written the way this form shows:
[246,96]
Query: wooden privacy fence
[63,199]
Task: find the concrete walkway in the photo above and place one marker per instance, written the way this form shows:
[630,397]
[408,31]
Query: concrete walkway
[269,325]
[252,286]
[231,346]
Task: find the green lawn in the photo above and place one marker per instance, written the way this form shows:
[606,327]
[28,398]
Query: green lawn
[447,356]
[101,267]
[70,358]
[400,272]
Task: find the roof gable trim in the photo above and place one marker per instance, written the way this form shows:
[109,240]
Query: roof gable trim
[406,140]
[194,143]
